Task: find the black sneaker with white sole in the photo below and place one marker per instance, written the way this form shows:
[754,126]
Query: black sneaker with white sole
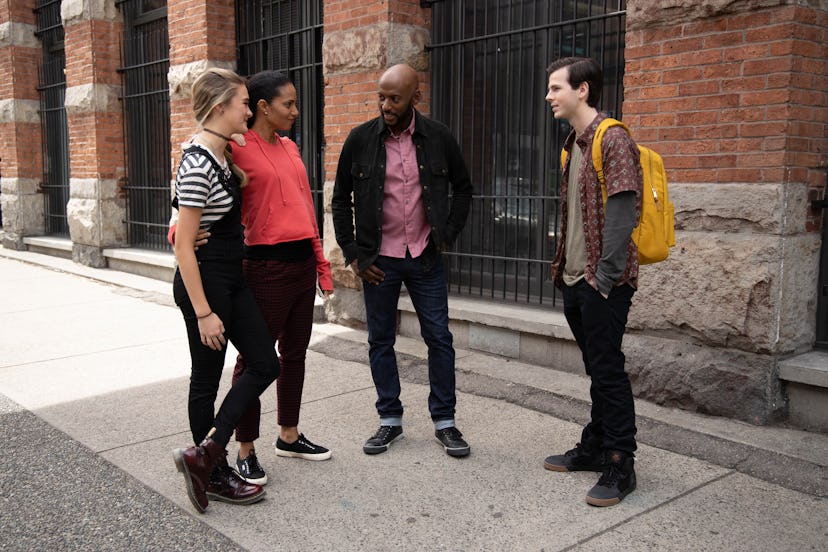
[301,448]
[383,437]
[452,440]
[250,470]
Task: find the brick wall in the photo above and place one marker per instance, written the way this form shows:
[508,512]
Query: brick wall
[202,33]
[20,152]
[17,10]
[20,157]
[18,65]
[350,93]
[96,131]
[737,98]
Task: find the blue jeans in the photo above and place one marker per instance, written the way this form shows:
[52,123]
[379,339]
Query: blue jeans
[598,325]
[429,294]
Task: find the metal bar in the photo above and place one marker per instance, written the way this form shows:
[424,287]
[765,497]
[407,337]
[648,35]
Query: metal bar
[434,46]
[494,105]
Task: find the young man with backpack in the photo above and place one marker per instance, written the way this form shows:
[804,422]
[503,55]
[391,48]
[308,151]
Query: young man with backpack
[596,269]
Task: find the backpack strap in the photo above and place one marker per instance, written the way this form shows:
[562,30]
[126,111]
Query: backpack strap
[597,154]
[598,139]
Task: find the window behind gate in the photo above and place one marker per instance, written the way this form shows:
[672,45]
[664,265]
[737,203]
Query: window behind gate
[144,64]
[488,83]
[51,87]
[286,36]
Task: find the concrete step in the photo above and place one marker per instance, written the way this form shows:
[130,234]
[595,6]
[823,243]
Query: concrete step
[806,384]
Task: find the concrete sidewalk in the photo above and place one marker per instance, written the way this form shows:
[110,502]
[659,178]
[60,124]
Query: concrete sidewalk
[93,378]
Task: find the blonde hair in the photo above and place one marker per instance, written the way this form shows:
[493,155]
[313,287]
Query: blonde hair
[214,87]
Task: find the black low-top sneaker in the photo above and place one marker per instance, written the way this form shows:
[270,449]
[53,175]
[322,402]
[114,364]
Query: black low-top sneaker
[250,470]
[577,459]
[617,481]
[301,448]
[452,441]
[383,437]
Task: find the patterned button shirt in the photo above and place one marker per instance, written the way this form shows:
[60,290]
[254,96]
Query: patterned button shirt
[622,172]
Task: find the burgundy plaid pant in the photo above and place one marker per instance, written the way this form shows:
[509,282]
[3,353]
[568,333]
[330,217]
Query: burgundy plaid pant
[285,292]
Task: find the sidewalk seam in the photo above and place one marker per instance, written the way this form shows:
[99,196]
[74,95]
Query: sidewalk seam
[648,510]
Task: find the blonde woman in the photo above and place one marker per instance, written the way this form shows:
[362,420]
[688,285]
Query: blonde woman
[210,290]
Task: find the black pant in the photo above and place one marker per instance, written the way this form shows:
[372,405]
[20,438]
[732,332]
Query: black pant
[598,325]
[245,327]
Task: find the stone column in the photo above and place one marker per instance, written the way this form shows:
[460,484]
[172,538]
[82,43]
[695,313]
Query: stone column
[361,40]
[20,149]
[96,210]
[728,93]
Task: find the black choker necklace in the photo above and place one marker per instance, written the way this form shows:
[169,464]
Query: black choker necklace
[214,133]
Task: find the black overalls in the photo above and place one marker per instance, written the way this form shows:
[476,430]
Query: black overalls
[220,264]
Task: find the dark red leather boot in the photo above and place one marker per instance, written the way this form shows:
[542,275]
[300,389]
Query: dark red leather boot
[226,486]
[197,463]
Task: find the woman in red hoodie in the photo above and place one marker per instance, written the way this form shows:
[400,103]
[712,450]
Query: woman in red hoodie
[283,262]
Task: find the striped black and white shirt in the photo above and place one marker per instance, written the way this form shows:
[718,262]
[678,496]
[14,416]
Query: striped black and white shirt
[198,185]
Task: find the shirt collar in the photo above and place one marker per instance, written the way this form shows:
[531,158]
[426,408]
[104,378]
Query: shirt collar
[416,126]
[589,132]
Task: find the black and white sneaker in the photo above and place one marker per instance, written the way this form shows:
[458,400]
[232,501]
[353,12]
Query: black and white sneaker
[452,441]
[383,437]
[301,448]
[250,470]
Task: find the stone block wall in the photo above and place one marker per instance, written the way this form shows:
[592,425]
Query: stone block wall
[733,95]
[20,158]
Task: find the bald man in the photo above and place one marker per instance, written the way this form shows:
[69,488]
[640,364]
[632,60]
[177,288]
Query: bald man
[401,197]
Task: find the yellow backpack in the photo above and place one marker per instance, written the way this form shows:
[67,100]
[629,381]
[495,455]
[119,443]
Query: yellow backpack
[655,233]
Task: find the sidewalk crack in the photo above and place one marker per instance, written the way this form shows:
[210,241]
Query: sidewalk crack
[648,510]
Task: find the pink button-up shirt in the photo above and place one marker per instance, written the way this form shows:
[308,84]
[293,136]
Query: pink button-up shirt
[404,222]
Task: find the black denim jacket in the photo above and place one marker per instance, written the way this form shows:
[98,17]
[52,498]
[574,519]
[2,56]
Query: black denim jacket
[360,176]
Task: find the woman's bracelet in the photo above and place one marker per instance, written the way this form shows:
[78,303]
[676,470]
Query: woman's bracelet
[205,316]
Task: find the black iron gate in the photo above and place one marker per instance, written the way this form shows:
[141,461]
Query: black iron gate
[286,36]
[488,82]
[51,87]
[146,99]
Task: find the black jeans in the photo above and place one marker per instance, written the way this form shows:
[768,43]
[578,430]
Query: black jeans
[245,327]
[598,325]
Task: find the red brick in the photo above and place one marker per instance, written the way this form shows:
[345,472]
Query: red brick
[749,20]
[704,57]
[716,161]
[722,40]
[697,118]
[705,27]
[698,147]
[722,70]
[699,88]
[764,98]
